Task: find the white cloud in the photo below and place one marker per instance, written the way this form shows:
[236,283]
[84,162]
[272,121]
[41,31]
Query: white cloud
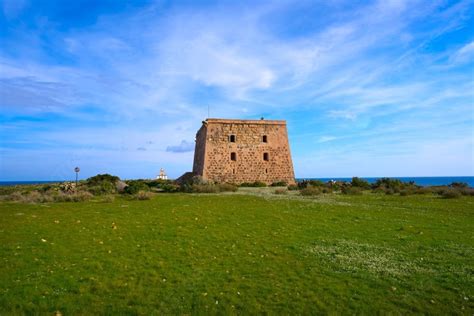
[464,54]
[165,70]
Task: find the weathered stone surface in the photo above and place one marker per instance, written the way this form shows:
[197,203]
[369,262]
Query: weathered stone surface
[255,159]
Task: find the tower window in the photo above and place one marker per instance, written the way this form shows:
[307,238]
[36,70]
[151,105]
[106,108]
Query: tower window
[265,156]
[232,138]
[264,139]
[233,156]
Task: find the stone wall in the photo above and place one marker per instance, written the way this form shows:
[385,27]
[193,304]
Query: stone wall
[214,148]
[200,151]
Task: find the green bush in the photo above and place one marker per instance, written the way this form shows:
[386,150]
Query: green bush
[204,188]
[279,184]
[360,183]
[352,190]
[256,184]
[451,194]
[210,188]
[423,190]
[101,188]
[143,195]
[170,187]
[387,183]
[227,187]
[467,191]
[406,192]
[135,186]
[15,196]
[337,185]
[314,183]
[98,179]
[158,183]
[459,185]
[310,191]
[292,187]
[102,184]
[326,190]
[36,197]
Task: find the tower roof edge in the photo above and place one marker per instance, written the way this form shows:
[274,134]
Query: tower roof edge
[239,121]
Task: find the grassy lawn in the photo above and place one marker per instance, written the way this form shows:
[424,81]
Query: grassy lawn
[239,253]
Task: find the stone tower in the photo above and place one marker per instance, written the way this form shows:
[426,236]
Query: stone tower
[237,151]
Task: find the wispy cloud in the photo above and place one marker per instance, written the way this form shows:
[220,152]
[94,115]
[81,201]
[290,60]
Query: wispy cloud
[183,147]
[343,74]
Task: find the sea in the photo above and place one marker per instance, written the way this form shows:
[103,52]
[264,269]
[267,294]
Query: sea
[423,181]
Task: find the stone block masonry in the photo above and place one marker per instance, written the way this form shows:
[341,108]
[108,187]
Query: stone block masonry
[237,151]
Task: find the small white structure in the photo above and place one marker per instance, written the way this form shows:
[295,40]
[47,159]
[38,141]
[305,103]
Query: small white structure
[162,175]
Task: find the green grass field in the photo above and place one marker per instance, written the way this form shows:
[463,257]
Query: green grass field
[239,253]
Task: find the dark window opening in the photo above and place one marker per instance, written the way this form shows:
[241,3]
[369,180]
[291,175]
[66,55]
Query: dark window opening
[232,138]
[233,156]
[264,139]
[233,171]
[266,170]
[265,156]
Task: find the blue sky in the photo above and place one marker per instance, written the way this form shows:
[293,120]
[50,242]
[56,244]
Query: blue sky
[368,88]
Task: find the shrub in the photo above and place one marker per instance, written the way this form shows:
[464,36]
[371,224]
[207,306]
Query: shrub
[326,190]
[337,185]
[352,190]
[292,187]
[256,184]
[135,186]
[227,187]
[103,184]
[204,188]
[170,187]
[406,192]
[360,183]
[143,195]
[100,178]
[451,194]
[460,185]
[81,196]
[281,191]
[102,188]
[15,196]
[74,197]
[467,191]
[310,191]
[387,183]
[423,190]
[33,197]
[279,184]
[314,183]
[45,188]
[199,180]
